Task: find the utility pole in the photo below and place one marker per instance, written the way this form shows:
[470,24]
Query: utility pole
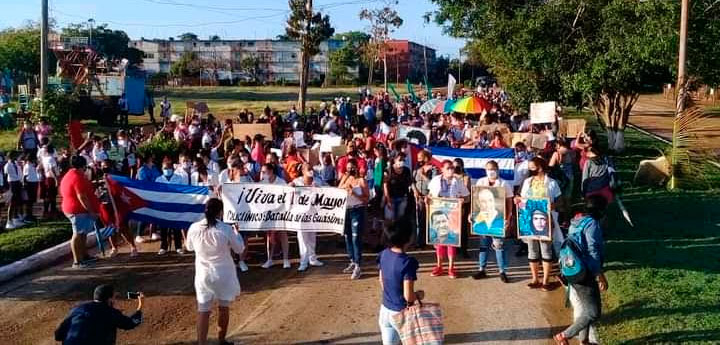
[90,22]
[43,51]
[459,65]
[397,69]
[425,59]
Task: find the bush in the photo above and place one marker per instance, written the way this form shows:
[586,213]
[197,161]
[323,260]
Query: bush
[58,107]
[23,242]
[159,147]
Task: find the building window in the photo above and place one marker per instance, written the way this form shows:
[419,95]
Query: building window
[207,44]
[251,44]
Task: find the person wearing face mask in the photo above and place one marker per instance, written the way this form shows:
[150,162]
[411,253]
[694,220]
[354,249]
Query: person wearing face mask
[396,189]
[200,175]
[307,240]
[446,185]
[352,153]
[184,168]
[170,177]
[267,175]
[492,179]
[539,186]
[31,178]
[357,200]
[251,167]
[421,179]
[326,170]
[562,168]
[147,172]
[461,174]
[51,174]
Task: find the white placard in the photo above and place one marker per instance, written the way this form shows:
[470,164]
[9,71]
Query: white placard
[542,112]
[262,207]
[327,142]
[299,138]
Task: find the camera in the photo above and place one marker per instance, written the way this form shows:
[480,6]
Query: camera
[133,295]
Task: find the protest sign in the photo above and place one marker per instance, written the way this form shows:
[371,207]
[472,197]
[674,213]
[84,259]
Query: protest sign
[299,139]
[339,151]
[542,112]
[534,219]
[536,141]
[415,135]
[327,142]
[572,127]
[488,211]
[241,130]
[444,221]
[539,141]
[262,207]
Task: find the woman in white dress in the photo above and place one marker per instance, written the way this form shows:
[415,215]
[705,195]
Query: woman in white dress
[215,275]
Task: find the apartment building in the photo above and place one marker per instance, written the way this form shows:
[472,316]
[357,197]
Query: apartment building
[278,60]
[407,59]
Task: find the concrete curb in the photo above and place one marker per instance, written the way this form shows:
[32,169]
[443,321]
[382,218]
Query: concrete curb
[40,259]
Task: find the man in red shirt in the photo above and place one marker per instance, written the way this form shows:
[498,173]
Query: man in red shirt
[351,153]
[81,206]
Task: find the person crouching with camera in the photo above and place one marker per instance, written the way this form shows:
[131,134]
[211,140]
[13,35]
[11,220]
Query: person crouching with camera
[96,322]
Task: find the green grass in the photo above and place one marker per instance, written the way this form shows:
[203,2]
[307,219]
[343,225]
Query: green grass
[19,243]
[226,101]
[664,273]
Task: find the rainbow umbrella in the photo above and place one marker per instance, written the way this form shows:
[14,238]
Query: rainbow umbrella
[447,107]
[428,106]
[471,105]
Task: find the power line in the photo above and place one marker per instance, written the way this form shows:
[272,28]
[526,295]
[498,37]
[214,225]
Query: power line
[179,24]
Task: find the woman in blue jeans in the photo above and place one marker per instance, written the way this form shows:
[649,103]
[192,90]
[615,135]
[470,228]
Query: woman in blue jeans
[396,188]
[357,200]
[398,273]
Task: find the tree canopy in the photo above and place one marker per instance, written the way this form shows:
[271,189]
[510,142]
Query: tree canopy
[188,36]
[20,51]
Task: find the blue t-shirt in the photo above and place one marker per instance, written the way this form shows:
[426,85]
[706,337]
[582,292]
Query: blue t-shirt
[396,268]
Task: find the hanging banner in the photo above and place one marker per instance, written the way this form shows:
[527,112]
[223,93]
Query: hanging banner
[263,207]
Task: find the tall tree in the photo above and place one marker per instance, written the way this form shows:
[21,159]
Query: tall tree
[347,57]
[602,53]
[20,52]
[383,21]
[310,29]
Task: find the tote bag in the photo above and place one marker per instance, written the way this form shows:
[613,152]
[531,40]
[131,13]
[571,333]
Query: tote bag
[420,324]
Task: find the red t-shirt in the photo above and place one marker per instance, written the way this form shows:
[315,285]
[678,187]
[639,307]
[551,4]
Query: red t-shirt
[72,183]
[342,164]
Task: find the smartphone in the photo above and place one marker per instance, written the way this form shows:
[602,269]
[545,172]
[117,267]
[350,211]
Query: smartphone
[133,295]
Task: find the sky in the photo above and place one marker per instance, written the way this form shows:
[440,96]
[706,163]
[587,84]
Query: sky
[229,19]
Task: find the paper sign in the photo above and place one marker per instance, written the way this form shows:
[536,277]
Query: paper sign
[339,151]
[299,139]
[241,130]
[573,127]
[263,207]
[539,141]
[536,141]
[327,142]
[526,138]
[542,112]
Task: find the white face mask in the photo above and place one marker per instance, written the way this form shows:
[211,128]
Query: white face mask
[122,142]
[492,174]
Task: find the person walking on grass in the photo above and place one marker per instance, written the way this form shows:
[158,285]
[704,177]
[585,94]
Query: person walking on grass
[81,206]
[398,273]
[584,295]
[357,200]
[215,274]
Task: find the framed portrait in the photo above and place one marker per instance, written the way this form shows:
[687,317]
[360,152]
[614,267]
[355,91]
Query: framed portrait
[488,211]
[444,221]
[534,220]
[415,135]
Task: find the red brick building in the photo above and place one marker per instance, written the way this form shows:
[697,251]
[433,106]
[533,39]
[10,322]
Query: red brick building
[406,59]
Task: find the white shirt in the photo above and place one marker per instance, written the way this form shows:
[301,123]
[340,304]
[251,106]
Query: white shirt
[195,180]
[215,274]
[300,182]
[455,188]
[12,170]
[30,173]
[50,166]
[485,182]
[99,155]
[552,190]
[174,179]
[278,181]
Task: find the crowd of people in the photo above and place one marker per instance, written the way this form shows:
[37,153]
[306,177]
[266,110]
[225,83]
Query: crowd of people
[388,178]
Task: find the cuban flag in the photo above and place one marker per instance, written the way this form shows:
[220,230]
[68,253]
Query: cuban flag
[476,159]
[167,205]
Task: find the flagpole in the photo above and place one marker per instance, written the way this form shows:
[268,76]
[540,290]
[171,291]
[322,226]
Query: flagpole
[112,202]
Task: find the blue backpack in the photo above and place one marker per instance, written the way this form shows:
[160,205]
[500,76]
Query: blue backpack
[571,259]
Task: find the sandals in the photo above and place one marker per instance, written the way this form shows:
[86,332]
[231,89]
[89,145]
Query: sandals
[534,285]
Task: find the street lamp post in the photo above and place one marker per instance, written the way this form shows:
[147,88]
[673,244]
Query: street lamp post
[90,23]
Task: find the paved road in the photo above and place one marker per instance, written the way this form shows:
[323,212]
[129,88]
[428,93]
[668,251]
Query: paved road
[321,306]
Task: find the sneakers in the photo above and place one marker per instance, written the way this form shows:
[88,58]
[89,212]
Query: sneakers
[479,275]
[79,265]
[133,252]
[286,264]
[180,251]
[242,266]
[267,264]
[155,237]
[316,263]
[350,268]
[452,274]
[303,267]
[503,277]
[10,225]
[139,239]
[356,273]
[162,252]
[437,271]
